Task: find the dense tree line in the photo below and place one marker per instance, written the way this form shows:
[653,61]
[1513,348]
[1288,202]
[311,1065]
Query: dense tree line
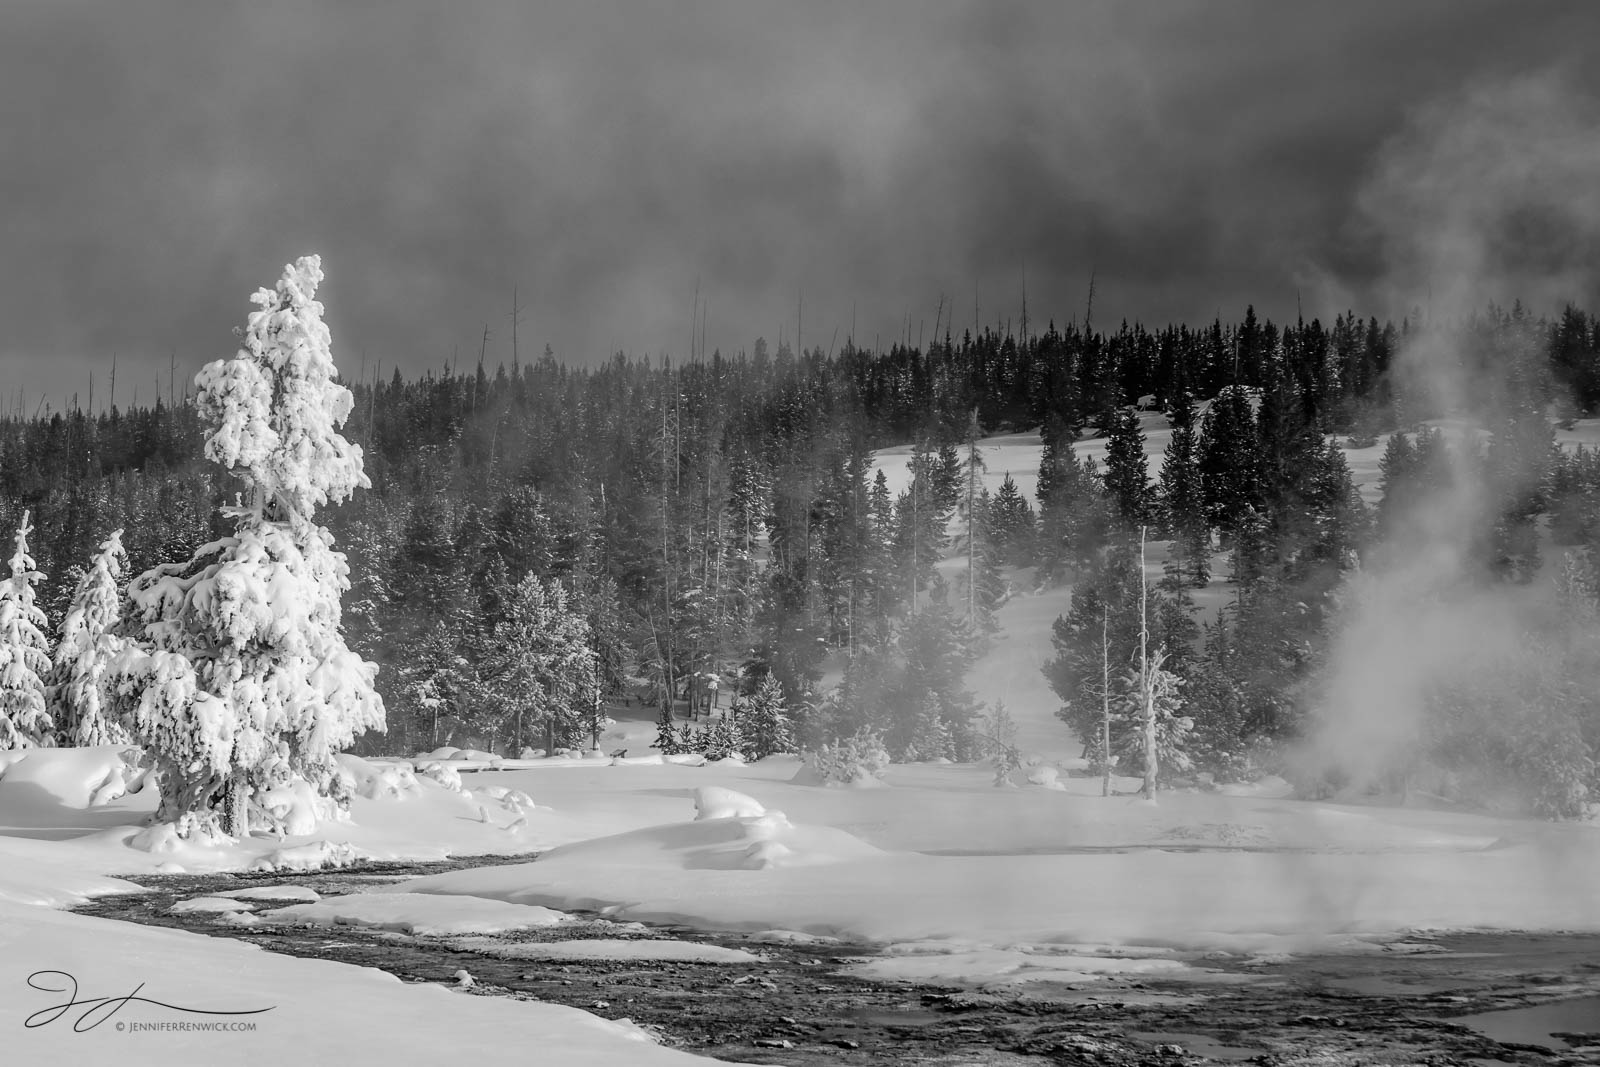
[673,523]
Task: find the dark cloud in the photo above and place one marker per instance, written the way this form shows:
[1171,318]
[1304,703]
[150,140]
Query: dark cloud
[164,159]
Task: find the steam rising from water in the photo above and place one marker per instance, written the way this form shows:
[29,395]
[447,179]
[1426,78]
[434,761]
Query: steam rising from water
[1492,195]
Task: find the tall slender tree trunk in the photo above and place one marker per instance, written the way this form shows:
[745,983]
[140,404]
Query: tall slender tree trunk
[1105,703]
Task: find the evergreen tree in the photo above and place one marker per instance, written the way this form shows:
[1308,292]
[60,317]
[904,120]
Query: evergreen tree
[1127,479]
[536,669]
[666,734]
[719,739]
[1230,476]
[242,681]
[937,657]
[1074,520]
[927,735]
[1396,479]
[765,727]
[76,686]
[1172,731]
[24,653]
[1012,524]
[1183,511]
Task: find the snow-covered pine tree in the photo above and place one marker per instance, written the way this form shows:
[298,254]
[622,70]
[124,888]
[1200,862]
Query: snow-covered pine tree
[76,686]
[927,735]
[1013,524]
[1127,479]
[666,741]
[537,667]
[719,740]
[1129,726]
[24,654]
[999,739]
[764,724]
[238,678]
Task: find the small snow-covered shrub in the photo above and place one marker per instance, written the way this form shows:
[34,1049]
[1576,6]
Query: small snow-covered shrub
[859,759]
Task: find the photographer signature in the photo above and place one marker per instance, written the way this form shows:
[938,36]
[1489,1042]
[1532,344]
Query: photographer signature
[97,1010]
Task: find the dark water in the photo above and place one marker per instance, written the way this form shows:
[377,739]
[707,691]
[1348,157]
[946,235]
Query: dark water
[1460,998]
[1559,1025]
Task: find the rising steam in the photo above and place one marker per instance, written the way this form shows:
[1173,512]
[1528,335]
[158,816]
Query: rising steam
[1493,195]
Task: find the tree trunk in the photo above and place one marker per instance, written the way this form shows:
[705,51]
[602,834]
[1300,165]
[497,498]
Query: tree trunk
[1105,704]
[236,807]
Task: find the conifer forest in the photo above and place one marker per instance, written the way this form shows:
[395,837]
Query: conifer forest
[540,540]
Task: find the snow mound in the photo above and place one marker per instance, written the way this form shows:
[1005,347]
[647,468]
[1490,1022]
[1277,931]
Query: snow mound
[726,843]
[608,949]
[209,904]
[36,783]
[1045,777]
[715,802]
[442,773]
[510,799]
[378,781]
[809,774]
[294,809]
[162,837]
[419,913]
[290,894]
[445,752]
[310,857]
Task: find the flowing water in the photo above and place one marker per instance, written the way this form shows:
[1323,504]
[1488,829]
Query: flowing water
[1467,998]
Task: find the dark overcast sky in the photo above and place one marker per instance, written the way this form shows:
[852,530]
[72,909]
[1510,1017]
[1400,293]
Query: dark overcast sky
[162,160]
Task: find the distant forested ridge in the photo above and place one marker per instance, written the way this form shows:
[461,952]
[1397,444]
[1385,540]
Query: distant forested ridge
[722,515]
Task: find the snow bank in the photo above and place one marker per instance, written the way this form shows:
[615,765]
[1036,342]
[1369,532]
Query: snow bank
[413,913]
[41,786]
[314,856]
[291,894]
[209,904]
[320,1011]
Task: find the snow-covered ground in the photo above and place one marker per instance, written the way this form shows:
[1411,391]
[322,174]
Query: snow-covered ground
[965,881]
[57,850]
